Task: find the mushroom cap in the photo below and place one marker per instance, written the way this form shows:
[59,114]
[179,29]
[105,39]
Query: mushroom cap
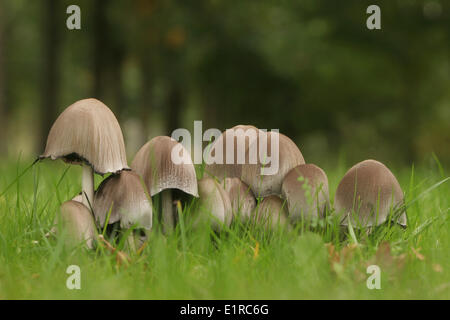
[214,203]
[242,200]
[305,188]
[243,136]
[271,213]
[370,190]
[289,156]
[77,220]
[154,164]
[88,132]
[124,194]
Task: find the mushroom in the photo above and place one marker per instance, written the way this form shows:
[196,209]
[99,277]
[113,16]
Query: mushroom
[76,220]
[88,133]
[124,195]
[263,182]
[161,174]
[367,193]
[305,189]
[243,136]
[271,213]
[242,200]
[214,204]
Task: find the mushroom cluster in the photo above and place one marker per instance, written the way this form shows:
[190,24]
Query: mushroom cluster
[88,134]
[237,184]
[368,195]
[295,191]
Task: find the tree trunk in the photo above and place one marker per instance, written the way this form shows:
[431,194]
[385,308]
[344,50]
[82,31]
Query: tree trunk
[174,108]
[50,81]
[99,48]
[3,113]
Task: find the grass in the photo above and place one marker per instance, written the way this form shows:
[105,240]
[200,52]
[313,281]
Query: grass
[237,264]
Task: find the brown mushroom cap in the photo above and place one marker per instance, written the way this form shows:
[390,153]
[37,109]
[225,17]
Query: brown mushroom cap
[305,188]
[242,200]
[368,190]
[88,132]
[271,213]
[289,157]
[77,220]
[154,164]
[214,203]
[123,194]
[243,135]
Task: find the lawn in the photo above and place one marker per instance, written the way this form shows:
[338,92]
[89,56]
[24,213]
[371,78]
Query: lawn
[239,263]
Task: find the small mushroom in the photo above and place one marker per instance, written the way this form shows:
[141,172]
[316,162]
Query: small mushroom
[154,163]
[243,136]
[262,181]
[214,204]
[242,200]
[367,193]
[305,189]
[271,213]
[76,220]
[88,133]
[124,195]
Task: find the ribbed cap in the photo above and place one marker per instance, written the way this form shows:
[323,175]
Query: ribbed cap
[87,131]
[242,200]
[154,164]
[289,156]
[305,188]
[124,194]
[369,190]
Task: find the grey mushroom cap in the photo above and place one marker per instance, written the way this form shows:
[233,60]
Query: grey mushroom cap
[154,164]
[305,189]
[124,194]
[243,136]
[214,204]
[289,156]
[367,193]
[271,213]
[242,200]
[76,220]
[88,132]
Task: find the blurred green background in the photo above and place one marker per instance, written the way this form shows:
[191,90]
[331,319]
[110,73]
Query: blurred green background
[310,68]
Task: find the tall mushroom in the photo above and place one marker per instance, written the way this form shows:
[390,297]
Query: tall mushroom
[154,162]
[123,197]
[242,200]
[271,213]
[241,137]
[87,133]
[283,152]
[368,193]
[76,220]
[214,204]
[305,189]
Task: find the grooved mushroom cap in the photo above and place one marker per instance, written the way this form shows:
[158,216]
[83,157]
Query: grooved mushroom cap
[243,136]
[77,220]
[289,156]
[242,200]
[154,164]
[124,194]
[368,185]
[214,201]
[271,213]
[87,131]
[305,188]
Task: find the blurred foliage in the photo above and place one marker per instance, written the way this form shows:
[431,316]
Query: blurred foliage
[310,68]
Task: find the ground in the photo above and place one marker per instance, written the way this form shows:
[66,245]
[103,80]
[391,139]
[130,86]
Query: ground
[236,264]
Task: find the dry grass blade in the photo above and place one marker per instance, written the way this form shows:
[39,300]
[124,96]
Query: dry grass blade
[121,257]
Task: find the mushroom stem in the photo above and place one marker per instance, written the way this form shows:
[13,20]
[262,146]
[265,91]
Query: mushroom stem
[167,214]
[87,186]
